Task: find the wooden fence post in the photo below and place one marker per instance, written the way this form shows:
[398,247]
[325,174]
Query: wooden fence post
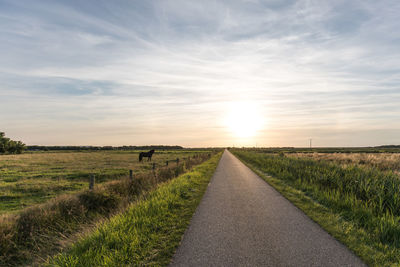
[130,174]
[177,161]
[91,182]
[166,163]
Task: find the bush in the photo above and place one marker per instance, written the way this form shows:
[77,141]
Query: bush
[9,146]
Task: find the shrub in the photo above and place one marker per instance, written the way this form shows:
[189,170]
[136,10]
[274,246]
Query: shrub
[9,146]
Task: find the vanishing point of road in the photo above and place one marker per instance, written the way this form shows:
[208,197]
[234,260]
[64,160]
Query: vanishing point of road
[242,221]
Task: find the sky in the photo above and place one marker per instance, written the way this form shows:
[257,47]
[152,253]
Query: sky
[200,73]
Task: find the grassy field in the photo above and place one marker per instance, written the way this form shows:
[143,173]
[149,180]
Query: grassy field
[149,232]
[33,178]
[381,149]
[382,161]
[34,233]
[357,203]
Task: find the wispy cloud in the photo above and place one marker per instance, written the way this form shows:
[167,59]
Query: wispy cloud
[132,72]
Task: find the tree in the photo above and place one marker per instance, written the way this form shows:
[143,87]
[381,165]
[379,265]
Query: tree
[10,146]
[3,143]
[20,147]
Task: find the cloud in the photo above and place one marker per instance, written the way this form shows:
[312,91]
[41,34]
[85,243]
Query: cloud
[170,68]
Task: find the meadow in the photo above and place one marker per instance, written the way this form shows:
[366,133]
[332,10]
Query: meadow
[30,235]
[355,197]
[31,178]
[382,161]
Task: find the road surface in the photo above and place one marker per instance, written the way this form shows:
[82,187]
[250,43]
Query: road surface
[242,221]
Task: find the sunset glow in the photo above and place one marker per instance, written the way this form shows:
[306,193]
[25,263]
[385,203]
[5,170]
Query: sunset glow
[200,73]
[244,120]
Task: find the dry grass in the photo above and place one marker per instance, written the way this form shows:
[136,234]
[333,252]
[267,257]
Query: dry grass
[381,161]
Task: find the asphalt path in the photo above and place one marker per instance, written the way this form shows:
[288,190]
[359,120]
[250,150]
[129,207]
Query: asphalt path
[242,221]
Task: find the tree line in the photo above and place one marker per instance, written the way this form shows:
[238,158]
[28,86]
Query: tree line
[10,146]
[90,148]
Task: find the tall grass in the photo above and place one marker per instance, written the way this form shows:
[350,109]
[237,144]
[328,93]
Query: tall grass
[42,230]
[381,161]
[367,197]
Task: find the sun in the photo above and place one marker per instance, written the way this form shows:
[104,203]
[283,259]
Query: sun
[244,119]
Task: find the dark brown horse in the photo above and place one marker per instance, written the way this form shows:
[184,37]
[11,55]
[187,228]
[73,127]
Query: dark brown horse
[148,155]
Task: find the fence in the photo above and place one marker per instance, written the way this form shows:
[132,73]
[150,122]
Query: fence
[187,161]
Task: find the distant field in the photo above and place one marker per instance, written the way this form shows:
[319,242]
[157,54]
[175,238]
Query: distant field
[389,149]
[33,178]
[381,161]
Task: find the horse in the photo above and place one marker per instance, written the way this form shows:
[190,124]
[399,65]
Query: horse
[148,155]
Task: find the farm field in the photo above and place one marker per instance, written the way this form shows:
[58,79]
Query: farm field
[33,178]
[355,197]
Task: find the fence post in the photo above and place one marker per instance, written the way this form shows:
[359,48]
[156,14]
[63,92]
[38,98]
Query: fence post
[166,163]
[91,182]
[177,161]
[130,174]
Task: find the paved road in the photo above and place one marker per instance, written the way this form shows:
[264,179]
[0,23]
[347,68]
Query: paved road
[242,221]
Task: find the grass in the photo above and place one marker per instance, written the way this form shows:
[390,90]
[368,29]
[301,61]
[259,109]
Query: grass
[381,161]
[359,206]
[33,178]
[151,229]
[45,229]
[369,150]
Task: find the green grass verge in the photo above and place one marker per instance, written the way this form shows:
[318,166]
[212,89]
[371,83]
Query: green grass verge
[356,223]
[151,229]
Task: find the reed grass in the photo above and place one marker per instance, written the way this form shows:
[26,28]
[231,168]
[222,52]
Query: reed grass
[381,161]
